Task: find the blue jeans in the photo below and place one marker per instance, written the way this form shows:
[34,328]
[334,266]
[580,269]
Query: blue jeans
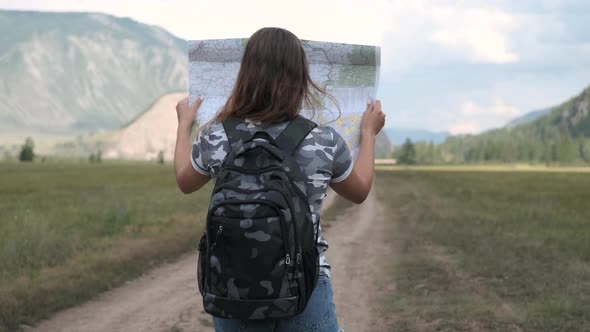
[319,316]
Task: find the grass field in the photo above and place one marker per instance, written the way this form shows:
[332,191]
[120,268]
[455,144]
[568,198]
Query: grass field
[487,168]
[70,231]
[475,249]
[487,251]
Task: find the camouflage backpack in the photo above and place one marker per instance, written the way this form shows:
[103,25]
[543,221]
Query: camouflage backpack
[258,258]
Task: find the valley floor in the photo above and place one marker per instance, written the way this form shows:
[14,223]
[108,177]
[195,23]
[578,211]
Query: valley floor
[166,298]
[428,250]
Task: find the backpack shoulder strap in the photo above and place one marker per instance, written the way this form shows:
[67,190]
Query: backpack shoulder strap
[234,135]
[290,138]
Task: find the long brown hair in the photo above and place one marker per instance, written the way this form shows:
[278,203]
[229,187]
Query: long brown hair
[273,83]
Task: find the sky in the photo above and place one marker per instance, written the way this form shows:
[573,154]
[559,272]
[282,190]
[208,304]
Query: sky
[458,66]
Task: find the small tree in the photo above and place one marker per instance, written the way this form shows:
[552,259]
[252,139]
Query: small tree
[161,157]
[95,157]
[27,153]
[407,154]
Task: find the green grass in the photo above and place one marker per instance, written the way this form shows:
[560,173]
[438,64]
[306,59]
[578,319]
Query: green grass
[70,231]
[514,167]
[488,251]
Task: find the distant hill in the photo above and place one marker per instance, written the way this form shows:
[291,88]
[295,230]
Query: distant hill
[528,117]
[72,73]
[153,131]
[383,146]
[397,136]
[562,135]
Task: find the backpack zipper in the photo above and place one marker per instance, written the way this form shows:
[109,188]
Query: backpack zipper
[254,171]
[219,230]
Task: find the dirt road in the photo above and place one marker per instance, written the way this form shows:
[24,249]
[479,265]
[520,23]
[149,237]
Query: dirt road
[357,243]
[166,298]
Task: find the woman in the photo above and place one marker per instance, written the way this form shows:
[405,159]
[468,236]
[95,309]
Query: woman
[272,85]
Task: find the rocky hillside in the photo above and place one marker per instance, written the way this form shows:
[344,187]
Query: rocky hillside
[91,82]
[152,132]
[71,73]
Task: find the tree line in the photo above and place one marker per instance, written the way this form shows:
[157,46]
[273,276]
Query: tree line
[564,150]
[27,154]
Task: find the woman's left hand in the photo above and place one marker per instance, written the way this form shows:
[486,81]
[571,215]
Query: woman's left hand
[187,113]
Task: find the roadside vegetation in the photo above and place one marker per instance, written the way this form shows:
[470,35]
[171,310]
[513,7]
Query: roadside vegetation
[487,251]
[70,231]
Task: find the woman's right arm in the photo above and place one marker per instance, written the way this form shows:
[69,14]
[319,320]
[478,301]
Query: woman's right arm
[357,185]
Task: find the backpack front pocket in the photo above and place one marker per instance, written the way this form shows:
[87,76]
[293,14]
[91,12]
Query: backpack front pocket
[248,257]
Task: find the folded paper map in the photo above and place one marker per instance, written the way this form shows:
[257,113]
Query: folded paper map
[350,73]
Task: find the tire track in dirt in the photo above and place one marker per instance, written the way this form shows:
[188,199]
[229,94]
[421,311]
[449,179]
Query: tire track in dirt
[358,243]
[166,298]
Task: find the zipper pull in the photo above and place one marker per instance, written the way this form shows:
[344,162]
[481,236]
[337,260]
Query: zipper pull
[219,230]
[288,259]
[202,242]
[298,257]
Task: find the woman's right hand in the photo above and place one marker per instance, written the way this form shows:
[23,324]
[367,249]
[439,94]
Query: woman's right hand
[373,119]
[357,185]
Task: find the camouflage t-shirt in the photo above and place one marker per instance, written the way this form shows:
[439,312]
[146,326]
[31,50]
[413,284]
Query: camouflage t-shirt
[323,156]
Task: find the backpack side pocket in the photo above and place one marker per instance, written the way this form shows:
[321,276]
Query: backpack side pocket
[201,263]
[311,270]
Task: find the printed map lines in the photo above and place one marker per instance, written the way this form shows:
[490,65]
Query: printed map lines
[348,72]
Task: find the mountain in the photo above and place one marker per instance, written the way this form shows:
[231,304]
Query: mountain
[397,136]
[83,82]
[71,73]
[528,117]
[572,117]
[560,136]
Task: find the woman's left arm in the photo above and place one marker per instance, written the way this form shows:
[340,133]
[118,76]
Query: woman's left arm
[187,178]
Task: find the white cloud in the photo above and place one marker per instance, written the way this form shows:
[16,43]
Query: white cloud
[410,31]
[427,32]
[335,20]
[482,33]
[461,128]
[498,109]
[470,108]
[474,118]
